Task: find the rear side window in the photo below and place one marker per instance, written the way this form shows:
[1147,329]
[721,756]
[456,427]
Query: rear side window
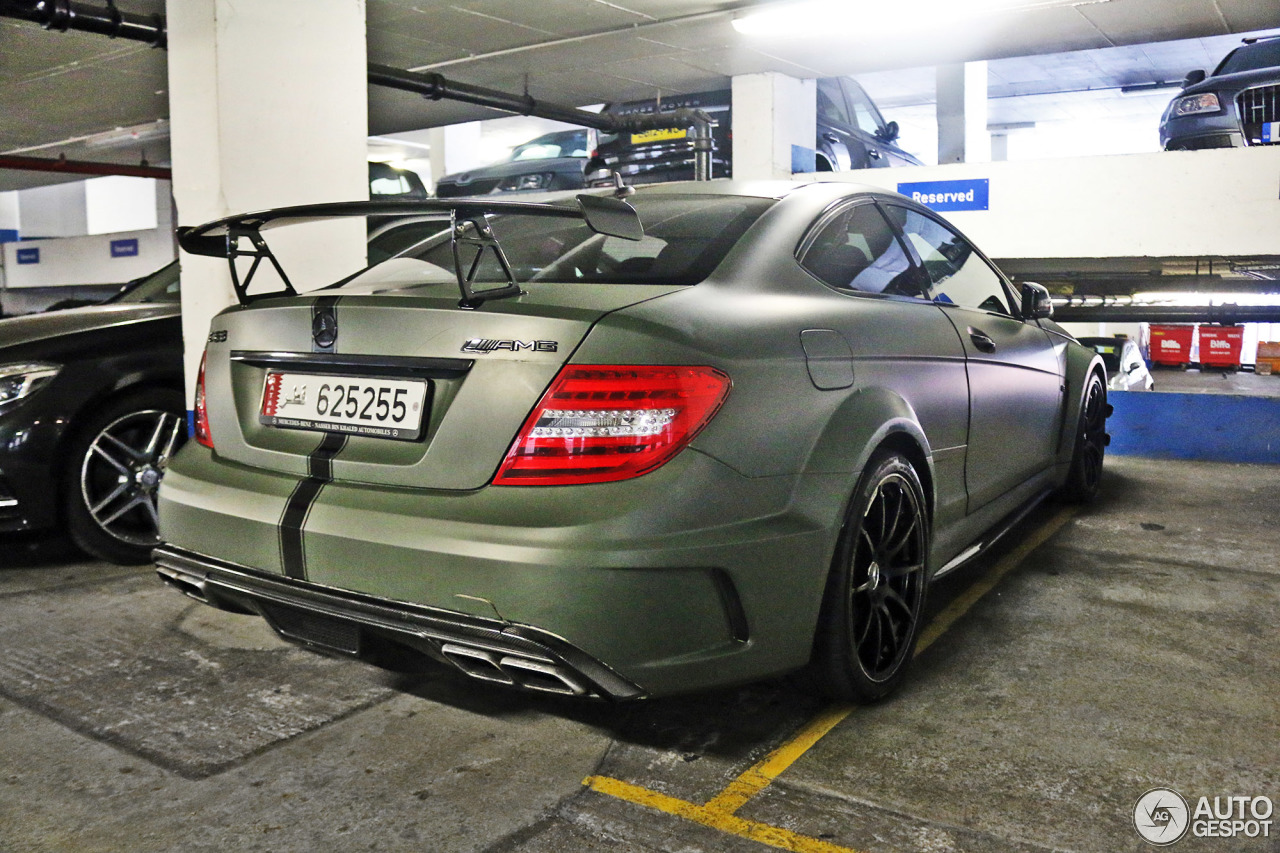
[857,250]
[831,105]
[957,273]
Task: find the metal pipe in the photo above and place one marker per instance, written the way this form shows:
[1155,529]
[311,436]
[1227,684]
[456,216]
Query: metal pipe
[1138,313]
[436,87]
[81,167]
[64,15]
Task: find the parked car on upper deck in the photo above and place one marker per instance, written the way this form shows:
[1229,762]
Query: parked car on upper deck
[553,161]
[1237,105]
[851,134]
[714,433]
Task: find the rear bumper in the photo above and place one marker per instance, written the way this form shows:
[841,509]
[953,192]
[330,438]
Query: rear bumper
[689,577]
[352,624]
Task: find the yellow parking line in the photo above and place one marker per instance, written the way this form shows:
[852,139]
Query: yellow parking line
[773,836]
[720,812]
[756,779]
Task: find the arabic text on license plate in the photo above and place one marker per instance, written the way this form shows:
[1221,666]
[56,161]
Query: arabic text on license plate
[385,408]
[658,135]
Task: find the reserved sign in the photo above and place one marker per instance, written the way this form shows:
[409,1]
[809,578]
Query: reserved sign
[948,195]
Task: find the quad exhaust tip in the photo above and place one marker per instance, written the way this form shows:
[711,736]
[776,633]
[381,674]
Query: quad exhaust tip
[528,673]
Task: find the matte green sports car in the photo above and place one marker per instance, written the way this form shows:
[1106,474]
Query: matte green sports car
[711,433]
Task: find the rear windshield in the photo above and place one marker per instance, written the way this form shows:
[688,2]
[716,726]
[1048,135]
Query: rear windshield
[1251,57]
[685,238]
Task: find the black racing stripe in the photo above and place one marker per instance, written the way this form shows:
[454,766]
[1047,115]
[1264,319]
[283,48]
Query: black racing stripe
[298,507]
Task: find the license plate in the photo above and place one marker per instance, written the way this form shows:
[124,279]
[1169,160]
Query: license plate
[384,408]
[658,135]
[1271,132]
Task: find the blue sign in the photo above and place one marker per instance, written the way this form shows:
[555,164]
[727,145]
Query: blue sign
[28,256]
[948,195]
[8,235]
[124,248]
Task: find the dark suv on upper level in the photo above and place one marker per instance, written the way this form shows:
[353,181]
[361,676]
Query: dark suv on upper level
[850,134]
[1237,105]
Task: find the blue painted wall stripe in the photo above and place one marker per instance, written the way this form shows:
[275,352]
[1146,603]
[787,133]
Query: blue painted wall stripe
[1207,427]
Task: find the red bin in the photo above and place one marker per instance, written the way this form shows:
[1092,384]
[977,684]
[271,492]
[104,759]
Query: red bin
[1220,346]
[1171,345]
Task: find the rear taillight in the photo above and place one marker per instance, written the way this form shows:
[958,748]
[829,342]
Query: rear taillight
[599,423]
[202,412]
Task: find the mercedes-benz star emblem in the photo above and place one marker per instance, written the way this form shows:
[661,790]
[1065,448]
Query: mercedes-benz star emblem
[324,329]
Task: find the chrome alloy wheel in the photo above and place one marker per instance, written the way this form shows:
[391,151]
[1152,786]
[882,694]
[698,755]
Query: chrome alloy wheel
[122,469]
[886,573]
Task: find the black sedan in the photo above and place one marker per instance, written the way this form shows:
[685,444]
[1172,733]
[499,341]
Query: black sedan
[553,161]
[91,409]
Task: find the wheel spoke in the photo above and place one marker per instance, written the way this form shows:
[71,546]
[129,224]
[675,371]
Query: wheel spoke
[128,505]
[98,450]
[892,642]
[150,505]
[893,597]
[892,573]
[122,447]
[119,490]
[175,435]
[895,548]
[154,442]
[891,518]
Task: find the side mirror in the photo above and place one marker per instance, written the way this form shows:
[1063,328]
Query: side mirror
[1193,77]
[889,133]
[1037,304]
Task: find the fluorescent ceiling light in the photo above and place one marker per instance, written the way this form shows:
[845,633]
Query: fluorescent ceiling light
[842,18]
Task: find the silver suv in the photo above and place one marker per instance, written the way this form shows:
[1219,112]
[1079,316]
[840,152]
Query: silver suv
[1237,105]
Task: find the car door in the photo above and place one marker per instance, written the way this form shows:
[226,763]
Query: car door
[837,138]
[883,330]
[1015,377]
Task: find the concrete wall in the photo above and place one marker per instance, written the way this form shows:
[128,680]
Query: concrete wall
[1172,203]
[87,260]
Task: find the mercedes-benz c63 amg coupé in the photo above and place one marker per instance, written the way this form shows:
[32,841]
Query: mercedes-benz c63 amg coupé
[626,444]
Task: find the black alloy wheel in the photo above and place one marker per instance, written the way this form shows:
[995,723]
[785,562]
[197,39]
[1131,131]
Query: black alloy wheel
[1085,477]
[875,595]
[114,467]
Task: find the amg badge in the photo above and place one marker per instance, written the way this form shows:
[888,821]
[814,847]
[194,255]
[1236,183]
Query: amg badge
[490,345]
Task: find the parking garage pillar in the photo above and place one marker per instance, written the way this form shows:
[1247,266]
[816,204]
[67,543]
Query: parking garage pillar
[269,107]
[774,117]
[962,113]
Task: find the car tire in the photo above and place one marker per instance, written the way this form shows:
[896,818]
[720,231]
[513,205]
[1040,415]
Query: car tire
[114,464]
[875,592]
[1085,476]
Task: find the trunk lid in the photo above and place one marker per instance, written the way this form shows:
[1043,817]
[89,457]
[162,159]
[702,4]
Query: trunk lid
[481,372]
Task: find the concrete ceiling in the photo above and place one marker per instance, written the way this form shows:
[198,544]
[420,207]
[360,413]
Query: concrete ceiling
[70,93]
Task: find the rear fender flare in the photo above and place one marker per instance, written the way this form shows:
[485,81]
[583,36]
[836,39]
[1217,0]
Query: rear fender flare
[865,421]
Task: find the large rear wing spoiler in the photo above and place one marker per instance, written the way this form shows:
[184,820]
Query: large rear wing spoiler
[470,235]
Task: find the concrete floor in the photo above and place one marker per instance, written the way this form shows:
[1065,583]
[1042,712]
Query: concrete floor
[1136,647]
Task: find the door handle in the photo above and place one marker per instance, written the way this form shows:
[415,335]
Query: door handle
[982,341]
[873,153]
[830,137]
